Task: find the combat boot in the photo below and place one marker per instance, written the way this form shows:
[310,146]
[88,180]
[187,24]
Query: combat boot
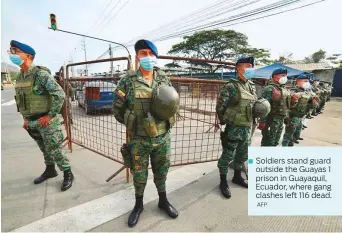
[296,141]
[304,126]
[137,210]
[165,205]
[49,172]
[224,187]
[68,179]
[300,138]
[239,180]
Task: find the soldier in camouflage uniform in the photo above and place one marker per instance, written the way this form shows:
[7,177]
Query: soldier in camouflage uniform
[39,99]
[317,91]
[323,97]
[234,108]
[300,99]
[272,126]
[132,107]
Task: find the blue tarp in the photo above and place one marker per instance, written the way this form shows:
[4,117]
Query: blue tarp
[267,71]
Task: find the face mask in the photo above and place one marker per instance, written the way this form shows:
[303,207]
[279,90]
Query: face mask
[16,59]
[147,63]
[306,86]
[283,80]
[249,73]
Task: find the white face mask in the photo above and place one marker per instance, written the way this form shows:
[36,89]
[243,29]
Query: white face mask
[283,80]
[306,86]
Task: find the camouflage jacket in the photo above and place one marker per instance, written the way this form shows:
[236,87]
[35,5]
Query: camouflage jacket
[124,93]
[44,83]
[229,96]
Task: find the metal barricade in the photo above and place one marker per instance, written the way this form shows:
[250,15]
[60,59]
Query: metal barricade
[195,135]
[91,124]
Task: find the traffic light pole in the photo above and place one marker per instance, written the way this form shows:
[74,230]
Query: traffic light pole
[95,38]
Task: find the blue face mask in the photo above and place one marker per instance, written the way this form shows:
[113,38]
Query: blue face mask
[16,59]
[147,63]
[249,73]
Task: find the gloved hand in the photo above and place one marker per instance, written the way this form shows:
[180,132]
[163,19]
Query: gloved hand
[44,121]
[25,125]
[261,126]
[295,97]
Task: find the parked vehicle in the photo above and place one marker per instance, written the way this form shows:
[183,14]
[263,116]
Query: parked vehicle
[96,95]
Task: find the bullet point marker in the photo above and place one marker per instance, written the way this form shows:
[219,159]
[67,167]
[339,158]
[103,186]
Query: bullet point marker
[250,161]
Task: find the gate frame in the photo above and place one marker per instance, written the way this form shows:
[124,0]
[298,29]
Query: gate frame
[67,106]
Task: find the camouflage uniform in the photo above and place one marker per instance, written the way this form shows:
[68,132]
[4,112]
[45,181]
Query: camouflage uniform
[323,98]
[133,94]
[279,98]
[237,135]
[49,138]
[297,112]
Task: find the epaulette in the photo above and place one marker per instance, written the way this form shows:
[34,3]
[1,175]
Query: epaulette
[44,68]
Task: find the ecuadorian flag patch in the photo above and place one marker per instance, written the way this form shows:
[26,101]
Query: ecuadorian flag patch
[120,94]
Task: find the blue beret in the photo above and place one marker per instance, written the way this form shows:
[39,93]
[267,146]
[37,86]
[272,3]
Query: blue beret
[249,60]
[145,44]
[303,76]
[23,47]
[279,71]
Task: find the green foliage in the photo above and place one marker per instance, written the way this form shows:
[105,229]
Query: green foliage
[218,45]
[315,57]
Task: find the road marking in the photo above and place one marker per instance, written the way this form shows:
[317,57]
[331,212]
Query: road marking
[9,103]
[86,216]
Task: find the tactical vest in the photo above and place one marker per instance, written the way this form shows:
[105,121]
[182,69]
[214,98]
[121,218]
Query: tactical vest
[300,109]
[281,106]
[240,114]
[28,103]
[142,109]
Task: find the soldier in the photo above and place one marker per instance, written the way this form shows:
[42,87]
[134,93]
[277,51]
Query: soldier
[148,118]
[234,108]
[323,97]
[60,81]
[39,99]
[299,102]
[272,126]
[317,91]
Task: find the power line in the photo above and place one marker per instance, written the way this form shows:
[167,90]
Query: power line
[113,17]
[233,18]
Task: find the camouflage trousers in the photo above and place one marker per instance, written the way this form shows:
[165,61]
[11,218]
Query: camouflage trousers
[49,140]
[299,129]
[288,138]
[272,132]
[236,142]
[321,105]
[142,148]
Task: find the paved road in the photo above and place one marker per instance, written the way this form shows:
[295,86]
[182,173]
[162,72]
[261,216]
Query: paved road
[94,205]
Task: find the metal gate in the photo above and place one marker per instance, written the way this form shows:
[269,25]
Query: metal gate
[195,137]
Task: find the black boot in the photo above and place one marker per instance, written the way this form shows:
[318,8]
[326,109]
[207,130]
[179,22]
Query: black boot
[237,179]
[49,172]
[165,205]
[304,126]
[224,187]
[137,210]
[296,141]
[300,138]
[68,179]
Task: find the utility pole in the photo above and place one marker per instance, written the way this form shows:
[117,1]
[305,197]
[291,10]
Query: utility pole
[85,55]
[111,63]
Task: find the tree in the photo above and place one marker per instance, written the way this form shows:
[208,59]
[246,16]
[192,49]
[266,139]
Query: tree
[217,45]
[285,59]
[318,56]
[315,57]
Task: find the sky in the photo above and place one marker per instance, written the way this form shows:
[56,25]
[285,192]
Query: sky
[300,32]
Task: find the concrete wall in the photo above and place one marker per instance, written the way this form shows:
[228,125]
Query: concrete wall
[325,75]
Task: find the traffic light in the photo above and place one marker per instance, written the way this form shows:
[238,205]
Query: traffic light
[53,21]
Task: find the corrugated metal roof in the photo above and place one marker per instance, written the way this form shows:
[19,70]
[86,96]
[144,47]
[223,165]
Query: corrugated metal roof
[311,66]
[306,67]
